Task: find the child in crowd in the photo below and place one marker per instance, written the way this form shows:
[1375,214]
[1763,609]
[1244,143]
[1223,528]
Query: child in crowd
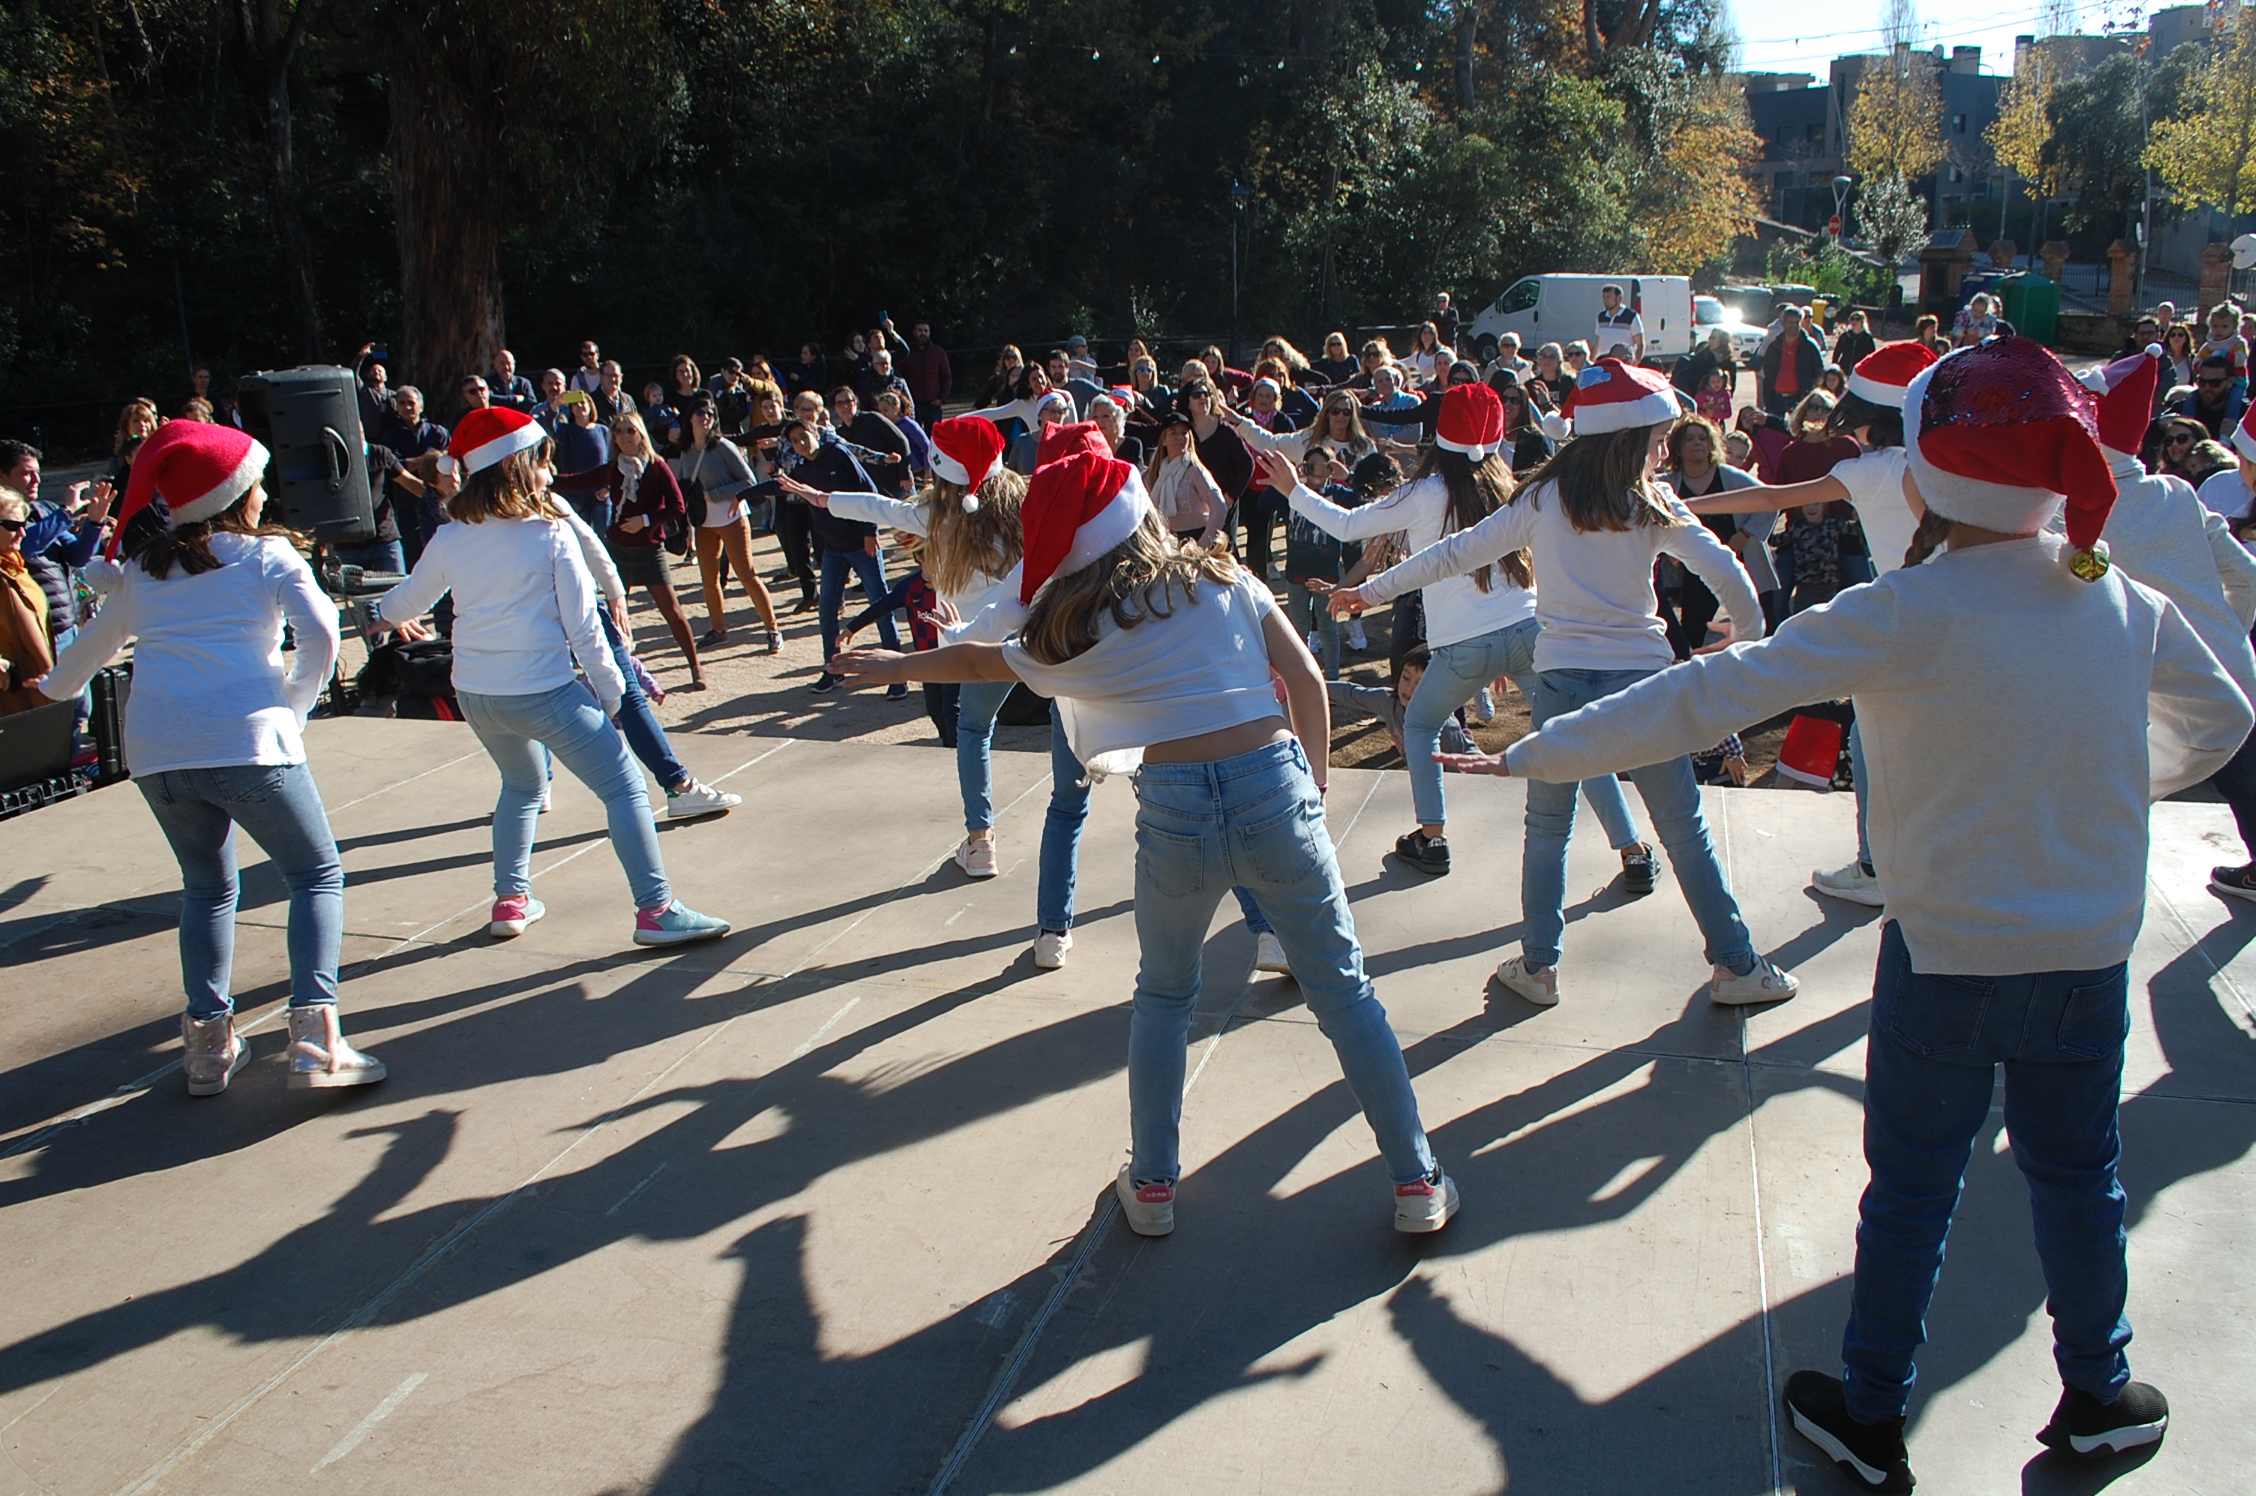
[2064,698]
[525,609]
[1813,540]
[2225,342]
[1714,399]
[1165,653]
[1313,554]
[1391,703]
[1595,520]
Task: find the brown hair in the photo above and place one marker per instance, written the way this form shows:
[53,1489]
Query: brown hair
[1134,581]
[190,544]
[1476,491]
[506,490]
[143,406]
[1716,450]
[1601,482]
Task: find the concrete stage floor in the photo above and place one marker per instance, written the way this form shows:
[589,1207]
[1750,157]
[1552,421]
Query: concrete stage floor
[826,1207]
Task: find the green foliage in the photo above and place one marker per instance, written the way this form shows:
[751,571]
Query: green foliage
[2097,143]
[1836,274]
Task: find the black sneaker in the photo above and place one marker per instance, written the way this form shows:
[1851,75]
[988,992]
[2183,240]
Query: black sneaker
[1641,871]
[711,639]
[1872,1453]
[2084,1425]
[1428,854]
[898,691]
[2234,882]
[824,684]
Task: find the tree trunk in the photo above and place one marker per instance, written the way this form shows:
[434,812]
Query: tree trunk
[1468,25]
[449,248]
[273,48]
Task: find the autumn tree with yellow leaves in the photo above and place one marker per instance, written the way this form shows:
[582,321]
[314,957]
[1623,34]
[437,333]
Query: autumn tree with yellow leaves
[2207,155]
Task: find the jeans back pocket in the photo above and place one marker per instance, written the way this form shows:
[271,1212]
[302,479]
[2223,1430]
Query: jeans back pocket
[1934,1015]
[2096,1019]
[249,784]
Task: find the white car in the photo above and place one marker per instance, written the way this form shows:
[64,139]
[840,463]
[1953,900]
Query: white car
[1708,314]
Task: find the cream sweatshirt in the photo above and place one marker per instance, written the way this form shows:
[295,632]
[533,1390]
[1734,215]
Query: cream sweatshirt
[2016,722]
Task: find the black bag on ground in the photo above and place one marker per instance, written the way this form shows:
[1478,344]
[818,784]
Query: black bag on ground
[419,670]
[1023,708]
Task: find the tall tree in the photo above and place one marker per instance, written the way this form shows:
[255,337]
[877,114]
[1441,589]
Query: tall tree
[1894,216]
[1896,120]
[2207,156]
[272,33]
[2021,135]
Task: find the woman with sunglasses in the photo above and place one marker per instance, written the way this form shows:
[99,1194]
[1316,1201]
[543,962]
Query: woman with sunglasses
[1338,424]
[1337,366]
[1002,385]
[718,470]
[1528,447]
[2178,357]
[1227,457]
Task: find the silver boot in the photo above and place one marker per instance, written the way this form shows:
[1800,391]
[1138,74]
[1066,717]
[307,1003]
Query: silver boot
[319,1055]
[214,1053]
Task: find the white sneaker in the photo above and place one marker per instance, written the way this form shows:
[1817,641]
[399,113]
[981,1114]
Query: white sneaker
[1352,633]
[1765,984]
[1269,954]
[544,799]
[1538,987]
[1425,1205]
[976,856]
[696,800]
[319,1056]
[1150,1209]
[1484,707]
[1852,883]
[1050,947]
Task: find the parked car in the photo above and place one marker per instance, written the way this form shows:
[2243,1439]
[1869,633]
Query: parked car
[1561,308]
[1708,314]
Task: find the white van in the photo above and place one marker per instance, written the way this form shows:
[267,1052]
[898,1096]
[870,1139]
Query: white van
[1561,308]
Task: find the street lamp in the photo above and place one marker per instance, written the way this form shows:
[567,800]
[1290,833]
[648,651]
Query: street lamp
[1238,196]
[1841,186]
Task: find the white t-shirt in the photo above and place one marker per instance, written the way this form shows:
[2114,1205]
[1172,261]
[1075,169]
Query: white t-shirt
[2225,493]
[211,686]
[1456,608]
[524,607]
[1875,482]
[980,593]
[1202,668]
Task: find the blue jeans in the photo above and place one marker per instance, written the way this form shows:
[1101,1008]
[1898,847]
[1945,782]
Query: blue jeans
[569,723]
[1863,797]
[977,702]
[637,720]
[1930,1063]
[279,805]
[835,566]
[1061,833]
[377,555]
[1254,821]
[1456,676]
[1672,799]
[1309,612]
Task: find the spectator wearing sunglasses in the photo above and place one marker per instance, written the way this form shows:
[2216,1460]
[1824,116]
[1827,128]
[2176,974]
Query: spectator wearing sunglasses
[2217,399]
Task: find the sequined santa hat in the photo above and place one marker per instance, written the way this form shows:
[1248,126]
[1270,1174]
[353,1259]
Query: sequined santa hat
[1999,434]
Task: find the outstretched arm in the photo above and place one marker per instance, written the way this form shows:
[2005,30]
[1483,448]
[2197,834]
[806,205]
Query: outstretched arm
[951,662]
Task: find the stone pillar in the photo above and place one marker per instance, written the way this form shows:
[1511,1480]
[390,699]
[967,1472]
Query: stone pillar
[2002,253]
[2122,272]
[2216,280]
[2055,255]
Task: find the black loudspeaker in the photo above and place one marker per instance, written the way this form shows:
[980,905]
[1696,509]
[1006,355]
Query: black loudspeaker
[309,418]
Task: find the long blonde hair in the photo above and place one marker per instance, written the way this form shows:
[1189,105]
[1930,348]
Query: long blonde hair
[1134,581]
[985,541]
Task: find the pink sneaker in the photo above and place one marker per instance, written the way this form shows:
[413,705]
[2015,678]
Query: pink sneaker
[510,916]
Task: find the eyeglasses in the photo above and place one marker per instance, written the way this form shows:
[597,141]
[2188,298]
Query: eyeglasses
[2181,439]
[16,525]
[2214,384]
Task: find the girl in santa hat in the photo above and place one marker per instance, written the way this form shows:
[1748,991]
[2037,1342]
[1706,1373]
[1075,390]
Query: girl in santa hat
[215,736]
[1161,655]
[1478,627]
[969,519]
[1596,522]
[525,610]
[2064,698]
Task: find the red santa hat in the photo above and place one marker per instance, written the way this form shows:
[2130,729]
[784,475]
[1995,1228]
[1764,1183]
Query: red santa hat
[198,469]
[2126,400]
[1999,433]
[484,437]
[1076,510]
[1066,438]
[2244,434]
[1471,421]
[1610,395]
[966,451]
[1883,375]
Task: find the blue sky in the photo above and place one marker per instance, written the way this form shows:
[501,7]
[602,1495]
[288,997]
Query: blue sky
[1794,36]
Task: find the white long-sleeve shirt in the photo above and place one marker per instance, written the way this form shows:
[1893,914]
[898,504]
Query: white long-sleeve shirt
[1875,481]
[211,686]
[2161,534]
[1593,588]
[1456,608]
[524,608]
[915,518]
[2016,722]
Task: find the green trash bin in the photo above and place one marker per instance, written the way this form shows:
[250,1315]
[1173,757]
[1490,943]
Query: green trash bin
[2032,304]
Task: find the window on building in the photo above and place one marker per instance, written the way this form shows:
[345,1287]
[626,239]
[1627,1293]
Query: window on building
[1957,175]
[1817,133]
[1958,124]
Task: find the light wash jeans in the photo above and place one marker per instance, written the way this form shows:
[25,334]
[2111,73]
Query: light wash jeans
[977,702]
[1308,612]
[279,805]
[1672,799]
[1061,833]
[645,736]
[569,723]
[1254,822]
[1458,673]
[1863,798]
